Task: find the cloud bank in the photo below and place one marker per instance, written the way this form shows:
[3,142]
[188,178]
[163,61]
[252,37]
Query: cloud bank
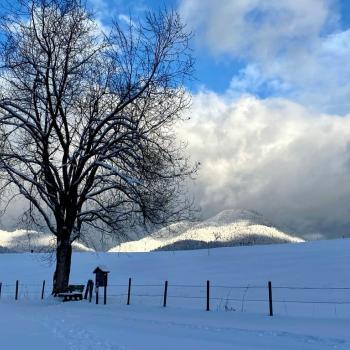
[278,140]
[275,156]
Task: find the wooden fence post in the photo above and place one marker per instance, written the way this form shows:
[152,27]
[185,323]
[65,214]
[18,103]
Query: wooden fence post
[165,293]
[91,289]
[270,298]
[208,295]
[129,291]
[105,294]
[16,295]
[87,289]
[43,290]
[96,294]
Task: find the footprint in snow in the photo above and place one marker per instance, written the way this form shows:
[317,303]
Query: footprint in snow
[78,338]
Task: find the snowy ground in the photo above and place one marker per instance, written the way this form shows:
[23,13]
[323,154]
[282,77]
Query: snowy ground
[232,324]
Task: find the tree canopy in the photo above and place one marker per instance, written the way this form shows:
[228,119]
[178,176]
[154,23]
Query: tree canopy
[87,117]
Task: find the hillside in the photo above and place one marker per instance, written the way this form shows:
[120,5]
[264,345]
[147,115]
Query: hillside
[26,241]
[228,228]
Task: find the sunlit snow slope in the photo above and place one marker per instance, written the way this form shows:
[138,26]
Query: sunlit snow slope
[228,228]
[27,241]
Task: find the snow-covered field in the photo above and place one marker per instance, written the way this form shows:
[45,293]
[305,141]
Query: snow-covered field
[234,322]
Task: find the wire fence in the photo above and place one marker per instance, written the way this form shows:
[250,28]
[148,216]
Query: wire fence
[266,299]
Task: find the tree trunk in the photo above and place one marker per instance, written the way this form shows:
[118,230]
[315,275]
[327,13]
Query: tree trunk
[63,263]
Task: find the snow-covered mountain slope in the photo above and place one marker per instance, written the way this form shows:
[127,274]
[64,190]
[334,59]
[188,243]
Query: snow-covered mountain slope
[27,241]
[228,228]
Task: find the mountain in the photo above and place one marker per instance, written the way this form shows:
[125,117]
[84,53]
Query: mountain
[228,228]
[31,241]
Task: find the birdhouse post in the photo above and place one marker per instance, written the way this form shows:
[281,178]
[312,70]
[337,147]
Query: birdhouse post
[101,280]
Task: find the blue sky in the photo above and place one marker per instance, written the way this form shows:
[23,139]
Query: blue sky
[216,66]
[212,71]
[344,10]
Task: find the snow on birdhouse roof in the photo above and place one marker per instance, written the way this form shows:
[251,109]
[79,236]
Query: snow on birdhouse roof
[102,268]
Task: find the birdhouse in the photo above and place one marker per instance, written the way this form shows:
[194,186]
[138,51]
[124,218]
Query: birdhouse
[101,277]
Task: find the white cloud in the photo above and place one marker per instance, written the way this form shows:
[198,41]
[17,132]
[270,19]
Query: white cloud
[127,20]
[252,79]
[256,27]
[275,156]
[288,157]
[292,48]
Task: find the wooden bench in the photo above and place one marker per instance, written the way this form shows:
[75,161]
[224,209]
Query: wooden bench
[73,292]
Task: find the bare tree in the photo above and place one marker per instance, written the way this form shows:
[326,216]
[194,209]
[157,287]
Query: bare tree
[87,120]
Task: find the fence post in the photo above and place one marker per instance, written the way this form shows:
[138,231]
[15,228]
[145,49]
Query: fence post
[270,298]
[43,290]
[16,296]
[91,289]
[165,293]
[96,293]
[87,289]
[129,291]
[208,295]
[105,294]
[0,288]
